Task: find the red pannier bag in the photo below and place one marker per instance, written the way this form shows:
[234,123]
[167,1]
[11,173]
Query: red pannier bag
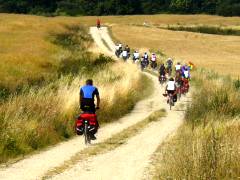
[92,118]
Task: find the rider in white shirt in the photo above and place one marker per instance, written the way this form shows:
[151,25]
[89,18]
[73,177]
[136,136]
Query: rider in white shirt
[125,55]
[136,56]
[178,66]
[171,86]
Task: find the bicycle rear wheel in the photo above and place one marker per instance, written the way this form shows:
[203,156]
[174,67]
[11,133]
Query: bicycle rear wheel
[87,138]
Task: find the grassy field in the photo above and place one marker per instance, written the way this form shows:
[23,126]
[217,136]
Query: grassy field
[217,52]
[220,53]
[28,55]
[26,51]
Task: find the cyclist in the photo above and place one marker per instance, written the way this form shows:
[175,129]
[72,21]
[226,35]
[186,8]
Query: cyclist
[127,48]
[118,50]
[98,24]
[169,66]
[154,61]
[124,55]
[145,58]
[171,89]
[135,56]
[162,72]
[86,100]
[143,63]
[186,72]
[178,67]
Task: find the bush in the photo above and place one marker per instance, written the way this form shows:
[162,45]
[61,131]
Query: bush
[237,84]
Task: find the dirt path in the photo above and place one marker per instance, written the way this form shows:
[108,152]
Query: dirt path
[126,162]
[129,160]
[101,38]
[35,166]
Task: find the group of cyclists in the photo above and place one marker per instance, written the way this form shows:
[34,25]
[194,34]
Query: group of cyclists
[145,60]
[179,84]
[175,86]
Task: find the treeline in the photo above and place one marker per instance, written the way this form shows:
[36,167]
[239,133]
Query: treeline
[119,7]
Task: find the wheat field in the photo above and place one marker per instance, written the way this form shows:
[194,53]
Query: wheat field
[26,53]
[217,52]
[220,53]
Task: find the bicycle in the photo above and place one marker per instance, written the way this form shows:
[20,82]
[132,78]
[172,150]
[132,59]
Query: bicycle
[87,125]
[162,79]
[170,101]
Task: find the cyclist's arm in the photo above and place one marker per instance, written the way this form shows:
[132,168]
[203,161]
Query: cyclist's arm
[80,97]
[98,97]
[98,100]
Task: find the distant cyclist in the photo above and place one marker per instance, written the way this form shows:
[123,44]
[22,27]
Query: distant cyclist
[178,67]
[118,50]
[127,48]
[162,73]
[98,24]
[186,72]
[162,70]
[153,61]
[136,56]
[146,59]
[171,89]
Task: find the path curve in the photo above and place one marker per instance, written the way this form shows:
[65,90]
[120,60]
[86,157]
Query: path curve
[35,166]
[130,160]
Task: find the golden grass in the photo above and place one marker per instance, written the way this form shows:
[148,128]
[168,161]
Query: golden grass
[210,152]
[46,116]
[27,54]
[25,50]
[220,53]
[207,146]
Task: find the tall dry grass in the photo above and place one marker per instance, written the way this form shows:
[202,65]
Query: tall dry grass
[207,146]
[46,116]
[43,111]
[212,152]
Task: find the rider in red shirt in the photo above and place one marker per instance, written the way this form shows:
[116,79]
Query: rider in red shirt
[98,23]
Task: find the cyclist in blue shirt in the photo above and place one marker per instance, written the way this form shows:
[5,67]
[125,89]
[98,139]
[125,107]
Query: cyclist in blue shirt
[87,96]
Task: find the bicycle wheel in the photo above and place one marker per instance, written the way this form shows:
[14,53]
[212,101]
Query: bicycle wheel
[87,138]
